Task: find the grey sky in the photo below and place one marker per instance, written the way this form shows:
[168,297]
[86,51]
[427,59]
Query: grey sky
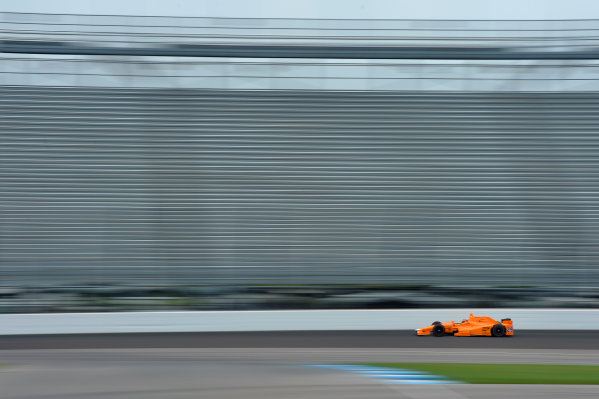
[392,9]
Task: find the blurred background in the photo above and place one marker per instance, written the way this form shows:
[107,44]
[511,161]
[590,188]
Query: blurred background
[155,163]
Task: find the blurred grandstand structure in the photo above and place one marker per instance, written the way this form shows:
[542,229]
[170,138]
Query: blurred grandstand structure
[213,163]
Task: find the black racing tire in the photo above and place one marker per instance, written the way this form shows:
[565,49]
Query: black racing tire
[498,330]
[438,330]
[435,322]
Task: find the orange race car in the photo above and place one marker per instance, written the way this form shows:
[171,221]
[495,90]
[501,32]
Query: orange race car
[474,325]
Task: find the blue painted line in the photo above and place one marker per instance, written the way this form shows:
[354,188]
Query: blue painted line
[402,376]
[391,375]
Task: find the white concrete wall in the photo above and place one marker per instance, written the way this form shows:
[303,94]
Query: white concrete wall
[299,320]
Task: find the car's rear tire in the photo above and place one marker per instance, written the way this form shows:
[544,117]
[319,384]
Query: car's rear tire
[435,322]
[438,330]
[498,330]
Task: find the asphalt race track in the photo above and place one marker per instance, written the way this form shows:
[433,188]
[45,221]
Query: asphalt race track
[310,339]
[274,365]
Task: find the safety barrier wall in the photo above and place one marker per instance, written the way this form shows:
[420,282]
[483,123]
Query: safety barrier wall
[298,320]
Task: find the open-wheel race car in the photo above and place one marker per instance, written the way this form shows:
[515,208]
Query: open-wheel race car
[473,326]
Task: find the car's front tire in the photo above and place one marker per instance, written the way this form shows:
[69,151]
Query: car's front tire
[439,330]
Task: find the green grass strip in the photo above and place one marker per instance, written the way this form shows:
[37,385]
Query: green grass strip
[505,373]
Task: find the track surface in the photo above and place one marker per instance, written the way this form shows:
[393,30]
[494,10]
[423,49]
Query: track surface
[586,340]
[271,365]
[259,373]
